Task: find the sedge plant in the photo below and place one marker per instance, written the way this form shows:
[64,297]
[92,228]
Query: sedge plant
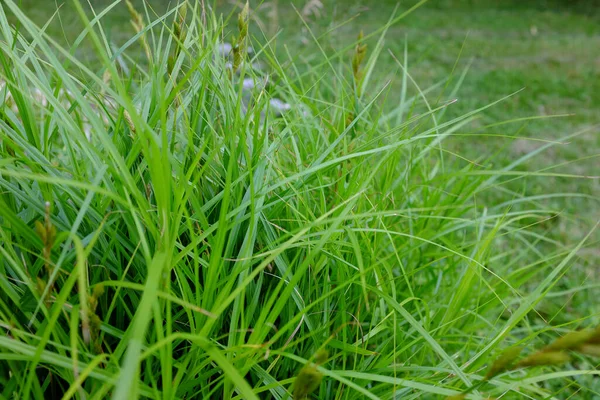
[165,234]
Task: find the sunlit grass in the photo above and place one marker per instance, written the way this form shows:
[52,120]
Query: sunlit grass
[167,234]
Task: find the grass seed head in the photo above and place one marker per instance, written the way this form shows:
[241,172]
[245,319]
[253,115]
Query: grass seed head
[179,33]
[570,341]
[243,18]
[307,381]
[590,350]
[137,21]
[502,363]
[40,229]
[182,12]
[240,47]
[321,356]
[542,358]
[46,230]
[360,52]
[595,338]
[129,121]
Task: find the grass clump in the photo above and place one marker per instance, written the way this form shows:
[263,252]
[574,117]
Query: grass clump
[205,246]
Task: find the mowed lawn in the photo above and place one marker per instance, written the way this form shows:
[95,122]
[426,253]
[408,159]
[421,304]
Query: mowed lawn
[550,53]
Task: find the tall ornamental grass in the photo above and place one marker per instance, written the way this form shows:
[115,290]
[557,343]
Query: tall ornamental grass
[169,231]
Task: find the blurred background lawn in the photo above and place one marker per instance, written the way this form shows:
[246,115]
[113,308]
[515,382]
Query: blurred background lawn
[549,48]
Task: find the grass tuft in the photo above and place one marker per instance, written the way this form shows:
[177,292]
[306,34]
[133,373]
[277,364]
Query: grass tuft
[167,232]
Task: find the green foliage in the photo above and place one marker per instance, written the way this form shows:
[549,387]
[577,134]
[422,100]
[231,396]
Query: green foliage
[195,244]
[556,353]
